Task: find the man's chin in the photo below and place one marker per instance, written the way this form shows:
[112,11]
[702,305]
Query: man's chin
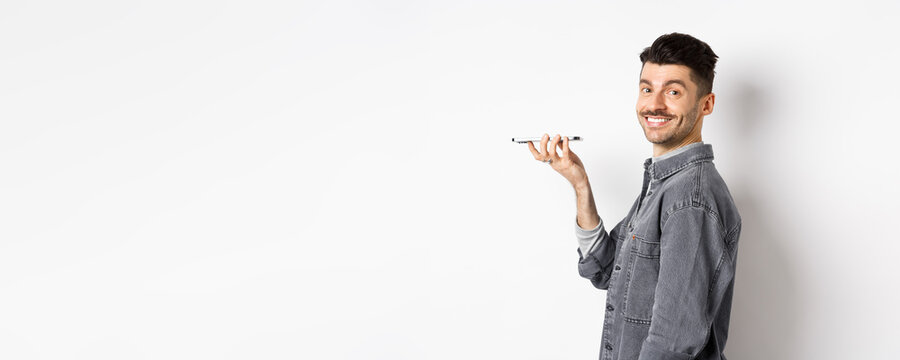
[655,139]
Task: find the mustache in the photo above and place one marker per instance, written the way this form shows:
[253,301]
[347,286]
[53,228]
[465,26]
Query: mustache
[657,114]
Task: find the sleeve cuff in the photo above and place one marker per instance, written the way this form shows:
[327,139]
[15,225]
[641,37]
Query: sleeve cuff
[587,239]
[580,231]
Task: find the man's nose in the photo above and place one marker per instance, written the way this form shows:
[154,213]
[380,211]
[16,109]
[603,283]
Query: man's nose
[657,102]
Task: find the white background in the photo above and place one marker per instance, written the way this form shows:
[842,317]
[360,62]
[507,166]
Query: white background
[335,180]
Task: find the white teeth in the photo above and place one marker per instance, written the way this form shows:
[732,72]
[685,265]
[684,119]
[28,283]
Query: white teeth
[656,120]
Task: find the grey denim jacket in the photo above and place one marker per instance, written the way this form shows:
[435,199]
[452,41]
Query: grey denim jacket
[669,266]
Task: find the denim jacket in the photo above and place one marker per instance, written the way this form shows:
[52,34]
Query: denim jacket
[669,266]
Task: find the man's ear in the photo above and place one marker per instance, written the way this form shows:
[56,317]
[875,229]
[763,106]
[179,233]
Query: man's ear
[707,103]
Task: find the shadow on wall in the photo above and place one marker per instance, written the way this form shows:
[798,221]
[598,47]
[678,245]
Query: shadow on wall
[766,306]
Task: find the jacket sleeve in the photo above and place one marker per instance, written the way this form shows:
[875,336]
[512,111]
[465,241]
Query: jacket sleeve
[693,260]
[596,253]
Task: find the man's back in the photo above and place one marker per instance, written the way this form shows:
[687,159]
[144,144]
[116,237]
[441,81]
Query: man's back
[669,264]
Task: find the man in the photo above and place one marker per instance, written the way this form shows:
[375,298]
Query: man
[669,266]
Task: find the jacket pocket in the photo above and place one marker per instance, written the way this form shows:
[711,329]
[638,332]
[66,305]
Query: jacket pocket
[643,274]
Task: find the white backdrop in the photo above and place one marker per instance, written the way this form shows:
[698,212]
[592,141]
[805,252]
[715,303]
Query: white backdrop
[335,180]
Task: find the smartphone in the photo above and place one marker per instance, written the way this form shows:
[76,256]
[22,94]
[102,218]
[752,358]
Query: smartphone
[522,140]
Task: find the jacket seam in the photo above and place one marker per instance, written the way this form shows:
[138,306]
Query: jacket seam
[715,277]
[695,193]
[703,206]
[731,241]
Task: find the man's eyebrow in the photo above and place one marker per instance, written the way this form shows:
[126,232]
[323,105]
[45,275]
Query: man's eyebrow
[676,81]
[670,82]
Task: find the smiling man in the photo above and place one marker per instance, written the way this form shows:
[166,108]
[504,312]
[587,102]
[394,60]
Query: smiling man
[669,265]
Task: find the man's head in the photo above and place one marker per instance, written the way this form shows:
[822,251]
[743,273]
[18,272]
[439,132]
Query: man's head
[683,49]
[675,90]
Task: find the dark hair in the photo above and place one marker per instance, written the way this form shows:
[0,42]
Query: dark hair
[683,49]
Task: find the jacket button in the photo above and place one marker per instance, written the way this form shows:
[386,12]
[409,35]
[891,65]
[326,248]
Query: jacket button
[618,267]
[610,307]
[608,346]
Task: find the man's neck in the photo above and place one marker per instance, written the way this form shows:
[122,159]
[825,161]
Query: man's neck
[661,149]
[676,151]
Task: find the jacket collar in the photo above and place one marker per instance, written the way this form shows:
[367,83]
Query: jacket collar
[664,168]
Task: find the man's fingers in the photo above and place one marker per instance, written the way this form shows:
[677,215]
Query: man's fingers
[565,146]
[552,149]
[544,140]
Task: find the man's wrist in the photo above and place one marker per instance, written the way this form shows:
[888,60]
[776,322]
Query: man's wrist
[582,187]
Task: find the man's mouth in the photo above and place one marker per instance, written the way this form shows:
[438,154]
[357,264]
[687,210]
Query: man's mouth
[656,121]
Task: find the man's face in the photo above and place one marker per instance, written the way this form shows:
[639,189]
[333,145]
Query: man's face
[667,105]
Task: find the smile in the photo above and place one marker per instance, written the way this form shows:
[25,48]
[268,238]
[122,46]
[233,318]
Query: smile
[656,122]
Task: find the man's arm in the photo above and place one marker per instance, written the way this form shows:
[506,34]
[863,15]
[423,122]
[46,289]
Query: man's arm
[596,251]
[693,262]
[586,216]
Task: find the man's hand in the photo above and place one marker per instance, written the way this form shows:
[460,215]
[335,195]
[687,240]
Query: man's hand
[568,165]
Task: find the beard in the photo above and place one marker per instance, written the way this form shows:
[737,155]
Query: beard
[676,134]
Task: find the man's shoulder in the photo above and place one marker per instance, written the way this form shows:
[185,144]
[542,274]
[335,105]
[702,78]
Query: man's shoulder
[701,186]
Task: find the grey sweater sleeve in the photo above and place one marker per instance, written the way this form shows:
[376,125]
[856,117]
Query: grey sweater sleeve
[588,239]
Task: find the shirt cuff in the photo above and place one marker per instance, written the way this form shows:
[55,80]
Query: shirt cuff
[587,239]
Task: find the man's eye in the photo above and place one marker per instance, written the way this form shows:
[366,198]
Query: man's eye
[673,92]
[645,90]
